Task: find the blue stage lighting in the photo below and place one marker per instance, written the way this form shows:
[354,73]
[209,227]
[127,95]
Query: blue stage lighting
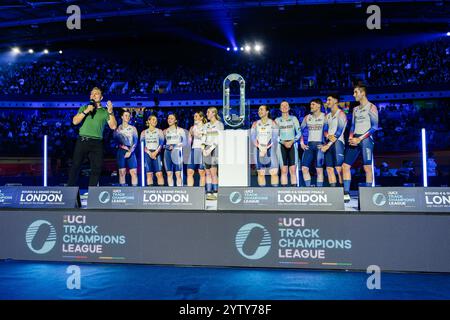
[373,173]
[15,50]
[235,49]
[45,161]
[424,158]
[30,51]
[142,164]
[228,48]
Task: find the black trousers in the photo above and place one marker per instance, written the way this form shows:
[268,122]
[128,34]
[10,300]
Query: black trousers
[93,149]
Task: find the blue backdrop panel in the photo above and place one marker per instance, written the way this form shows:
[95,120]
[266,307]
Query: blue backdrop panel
[393,242]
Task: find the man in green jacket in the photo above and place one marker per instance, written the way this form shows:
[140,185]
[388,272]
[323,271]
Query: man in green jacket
[89,143]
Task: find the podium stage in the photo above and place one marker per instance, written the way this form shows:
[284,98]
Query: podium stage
[411,242]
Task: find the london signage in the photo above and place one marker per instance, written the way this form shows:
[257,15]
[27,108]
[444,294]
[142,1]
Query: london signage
[39,197]
[281,199]
[179,198]
[404,199]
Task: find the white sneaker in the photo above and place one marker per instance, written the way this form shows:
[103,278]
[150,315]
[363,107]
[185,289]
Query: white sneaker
[211,196]
[347,197]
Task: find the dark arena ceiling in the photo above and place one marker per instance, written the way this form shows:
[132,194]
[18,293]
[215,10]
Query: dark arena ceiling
[44,22]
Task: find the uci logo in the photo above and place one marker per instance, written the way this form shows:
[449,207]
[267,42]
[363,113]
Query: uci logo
[245,237]
[235,197]
[104,197]
[379,199]
[37,228]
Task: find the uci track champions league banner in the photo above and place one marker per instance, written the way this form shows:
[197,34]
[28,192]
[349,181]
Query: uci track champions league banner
[403,199]
[180,198]
[293,241]
[39,197]
[281,199]
[73,236]
[408,242]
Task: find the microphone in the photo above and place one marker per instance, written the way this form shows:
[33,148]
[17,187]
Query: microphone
[93,112]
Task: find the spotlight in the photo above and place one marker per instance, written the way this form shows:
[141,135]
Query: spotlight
[258,48]
[15,50]
[45,51]
[228,48]
[424,157]
[247,48]
[235,49]
[30,51]
[242,48]
[60,51]
[448,34]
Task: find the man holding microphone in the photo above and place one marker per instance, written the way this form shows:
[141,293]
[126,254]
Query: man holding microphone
[90,140]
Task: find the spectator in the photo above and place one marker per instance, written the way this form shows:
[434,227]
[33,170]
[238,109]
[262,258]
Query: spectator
[384,170]
[406,170]
[431,165]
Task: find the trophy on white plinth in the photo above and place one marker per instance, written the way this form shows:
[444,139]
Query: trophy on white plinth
[233,143]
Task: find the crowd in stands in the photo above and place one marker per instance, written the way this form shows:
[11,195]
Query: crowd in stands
[401,123]
[427,63]
[22,130]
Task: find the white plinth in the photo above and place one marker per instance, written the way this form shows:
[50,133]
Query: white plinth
[234,169]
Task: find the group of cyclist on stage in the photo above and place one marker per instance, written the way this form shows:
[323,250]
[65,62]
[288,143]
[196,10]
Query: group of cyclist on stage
[275,146]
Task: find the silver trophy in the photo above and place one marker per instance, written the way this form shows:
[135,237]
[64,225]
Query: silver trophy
[232,120]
